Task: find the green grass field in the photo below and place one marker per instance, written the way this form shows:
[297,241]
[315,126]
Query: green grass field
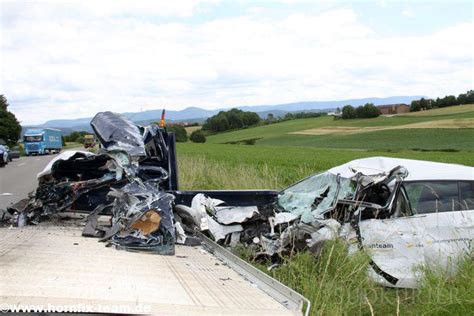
[337,283]
[280,134]
[285,164]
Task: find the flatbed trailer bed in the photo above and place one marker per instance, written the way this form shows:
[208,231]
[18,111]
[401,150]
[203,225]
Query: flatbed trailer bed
[53,266]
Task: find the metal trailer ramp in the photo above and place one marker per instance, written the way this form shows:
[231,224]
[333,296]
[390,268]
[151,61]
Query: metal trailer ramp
[54,266]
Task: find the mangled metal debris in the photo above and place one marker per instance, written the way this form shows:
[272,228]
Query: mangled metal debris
[142,219]
[123,180]
[117,133]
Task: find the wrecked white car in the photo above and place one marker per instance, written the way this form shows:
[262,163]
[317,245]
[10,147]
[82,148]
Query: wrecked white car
[406,214]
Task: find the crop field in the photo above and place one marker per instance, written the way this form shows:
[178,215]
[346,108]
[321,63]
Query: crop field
[191,129]
[348,130]
[451,129]
[337,283]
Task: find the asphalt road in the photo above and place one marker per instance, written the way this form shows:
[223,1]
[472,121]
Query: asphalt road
[18,178]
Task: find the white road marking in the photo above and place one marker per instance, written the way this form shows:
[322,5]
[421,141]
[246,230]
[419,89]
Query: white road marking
[6,194]
[21,164]
[37,159]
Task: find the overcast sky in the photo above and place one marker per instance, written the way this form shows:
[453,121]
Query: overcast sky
[70,59]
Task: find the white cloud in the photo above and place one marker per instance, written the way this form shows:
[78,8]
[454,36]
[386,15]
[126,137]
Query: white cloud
[72,60]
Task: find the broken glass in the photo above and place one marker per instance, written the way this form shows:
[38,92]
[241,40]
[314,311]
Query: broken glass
[312,197]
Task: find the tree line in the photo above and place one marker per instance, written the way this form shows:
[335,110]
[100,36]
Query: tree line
[75,137]
[236,119]
[291,116]
[230,120]
[369,110]
[449,100]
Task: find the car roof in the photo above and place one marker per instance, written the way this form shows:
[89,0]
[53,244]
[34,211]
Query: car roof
[418,170]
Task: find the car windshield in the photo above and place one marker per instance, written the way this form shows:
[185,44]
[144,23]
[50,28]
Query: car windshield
[314,195]
[37,138]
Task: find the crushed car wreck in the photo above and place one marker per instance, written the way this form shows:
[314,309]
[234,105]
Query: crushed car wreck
[126,179]
[404,213]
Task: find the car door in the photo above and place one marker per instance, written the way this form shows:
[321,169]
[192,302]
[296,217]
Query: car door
[432,227]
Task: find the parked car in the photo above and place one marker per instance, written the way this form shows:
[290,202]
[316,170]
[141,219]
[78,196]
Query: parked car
[3,156]
[13,153]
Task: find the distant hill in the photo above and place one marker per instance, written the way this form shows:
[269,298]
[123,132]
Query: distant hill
[196,114]
[298,106]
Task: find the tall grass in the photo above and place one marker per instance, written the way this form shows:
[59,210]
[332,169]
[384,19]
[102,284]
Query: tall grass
[197,172]
[444,293]
[335,283]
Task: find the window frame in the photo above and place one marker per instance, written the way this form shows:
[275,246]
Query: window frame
[405,195]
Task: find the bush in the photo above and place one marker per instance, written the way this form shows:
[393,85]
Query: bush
[179,131]
[348,112]
[369,111]
[198,137]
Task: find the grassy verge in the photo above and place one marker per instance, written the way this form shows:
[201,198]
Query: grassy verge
[207,166]
[335,282]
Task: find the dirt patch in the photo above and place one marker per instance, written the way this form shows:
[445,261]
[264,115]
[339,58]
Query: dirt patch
[191,129]
[348,130]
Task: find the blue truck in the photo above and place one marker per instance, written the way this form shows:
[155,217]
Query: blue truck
[42,141]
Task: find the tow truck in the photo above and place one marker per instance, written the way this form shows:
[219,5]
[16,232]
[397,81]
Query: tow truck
[48,266]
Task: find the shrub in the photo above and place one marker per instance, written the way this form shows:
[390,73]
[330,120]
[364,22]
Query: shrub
[198,136]
[348,112]
[179,132]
